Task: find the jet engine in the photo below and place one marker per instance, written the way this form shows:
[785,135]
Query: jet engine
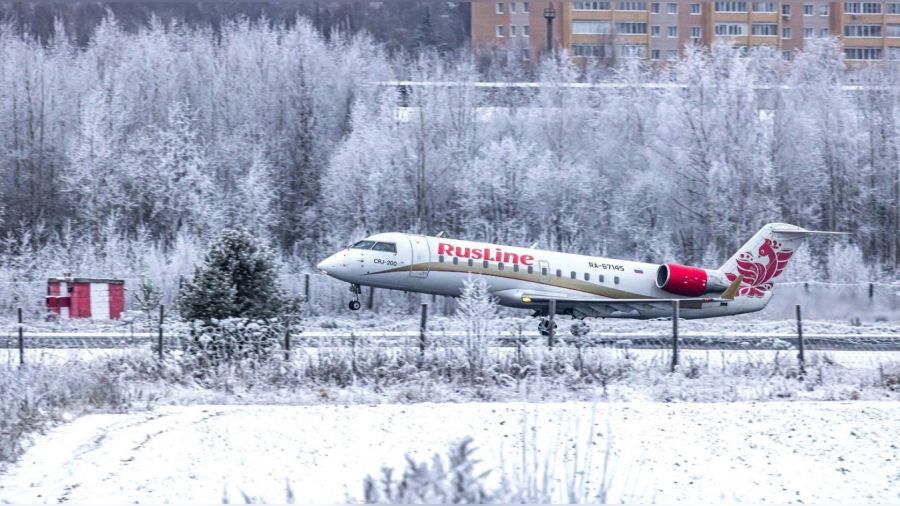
[690,281]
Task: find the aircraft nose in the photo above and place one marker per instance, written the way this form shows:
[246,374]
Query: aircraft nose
[328,263]
[335,265]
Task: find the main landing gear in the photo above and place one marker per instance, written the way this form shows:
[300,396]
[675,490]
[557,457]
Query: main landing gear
[545,325]
[356,291]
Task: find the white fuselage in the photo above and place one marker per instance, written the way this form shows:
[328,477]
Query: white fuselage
[437,265]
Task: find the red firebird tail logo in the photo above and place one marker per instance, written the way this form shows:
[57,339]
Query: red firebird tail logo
[758,275]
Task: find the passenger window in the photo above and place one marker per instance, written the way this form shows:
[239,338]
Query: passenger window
[515,267]
[471,262]
[572,275]
[558,273]
[486,264]
[616,280]
[441,258]
[500,266]
[530,269]
[543,271]
[587,276]
[601,278]
[385,246]
[363,245]
[455,260]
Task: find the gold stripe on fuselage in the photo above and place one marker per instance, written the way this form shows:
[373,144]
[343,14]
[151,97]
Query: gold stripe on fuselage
[554,281]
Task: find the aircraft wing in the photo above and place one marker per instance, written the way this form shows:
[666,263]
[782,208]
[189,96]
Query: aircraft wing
[602,307]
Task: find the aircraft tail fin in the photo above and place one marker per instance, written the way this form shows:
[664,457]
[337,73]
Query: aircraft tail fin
[762,259]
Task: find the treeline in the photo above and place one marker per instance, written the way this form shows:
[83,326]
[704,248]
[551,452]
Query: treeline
[121,157]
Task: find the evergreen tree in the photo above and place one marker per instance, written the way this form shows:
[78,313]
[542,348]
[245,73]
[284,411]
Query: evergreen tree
[239,278]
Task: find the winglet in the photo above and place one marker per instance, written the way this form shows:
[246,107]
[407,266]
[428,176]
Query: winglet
[732,289]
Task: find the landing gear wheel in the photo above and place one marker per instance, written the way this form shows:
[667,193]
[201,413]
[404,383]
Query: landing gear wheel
[580,329]
[545,325]
[356,290]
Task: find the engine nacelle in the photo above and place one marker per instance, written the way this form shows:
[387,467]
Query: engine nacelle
[689,281]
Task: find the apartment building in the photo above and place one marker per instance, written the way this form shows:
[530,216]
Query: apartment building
[607,30]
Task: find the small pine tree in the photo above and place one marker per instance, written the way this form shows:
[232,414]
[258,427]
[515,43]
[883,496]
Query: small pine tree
[239,278]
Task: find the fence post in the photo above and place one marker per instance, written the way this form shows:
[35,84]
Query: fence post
[801,358]
[287,338]
[159,342]
[871,290]
[676,309]
[423,327]
[306,287]
[21,340]
[552,327]
[370,303]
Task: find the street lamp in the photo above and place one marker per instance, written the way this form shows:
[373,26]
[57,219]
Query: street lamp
[549,14]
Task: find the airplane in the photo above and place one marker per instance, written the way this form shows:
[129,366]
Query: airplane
[580,286]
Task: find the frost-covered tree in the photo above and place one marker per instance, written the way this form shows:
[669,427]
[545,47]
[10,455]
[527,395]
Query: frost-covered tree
[238,278]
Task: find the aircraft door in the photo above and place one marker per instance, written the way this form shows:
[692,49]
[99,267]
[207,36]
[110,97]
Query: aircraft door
[544,272]
[421,255]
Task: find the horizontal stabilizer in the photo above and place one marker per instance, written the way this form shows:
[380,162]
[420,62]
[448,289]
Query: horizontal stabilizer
[732,289]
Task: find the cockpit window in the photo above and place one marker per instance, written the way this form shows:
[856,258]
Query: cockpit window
[363,245]
[385,246]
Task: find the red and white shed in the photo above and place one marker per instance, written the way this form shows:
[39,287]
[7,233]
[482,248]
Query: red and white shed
[98,299]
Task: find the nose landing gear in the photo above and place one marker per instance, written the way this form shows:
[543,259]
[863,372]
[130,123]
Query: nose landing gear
[545,325]
[356,290]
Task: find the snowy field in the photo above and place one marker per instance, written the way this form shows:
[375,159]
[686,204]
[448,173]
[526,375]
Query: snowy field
[767,452]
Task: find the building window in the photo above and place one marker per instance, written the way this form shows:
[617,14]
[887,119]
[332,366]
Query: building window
[672,31]
[763,6]
[731,6]
[786,10]
[632,50]
[862,7]
[862,53]
[764,29]
[671,54]
[893,53]
[823,10]
[525,7]
[632,6]
[862,30]
[893,8]
[654,7]
[731,29]
[589,50]
[590,27]
[808,9]
[787,55]
[893,30]
[524,30]
[499,7]
[512,31]
[786,33]
[654,31]
[824,32]
[499,30]
[695,9]
[512,7]
[808,33]
[590,6]
[654,54]
[696,32]
[672,8]
[628,28]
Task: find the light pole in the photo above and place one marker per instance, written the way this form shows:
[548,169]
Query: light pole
[549,14]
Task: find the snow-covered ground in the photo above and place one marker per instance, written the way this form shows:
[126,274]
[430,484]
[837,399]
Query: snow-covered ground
[767,452]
